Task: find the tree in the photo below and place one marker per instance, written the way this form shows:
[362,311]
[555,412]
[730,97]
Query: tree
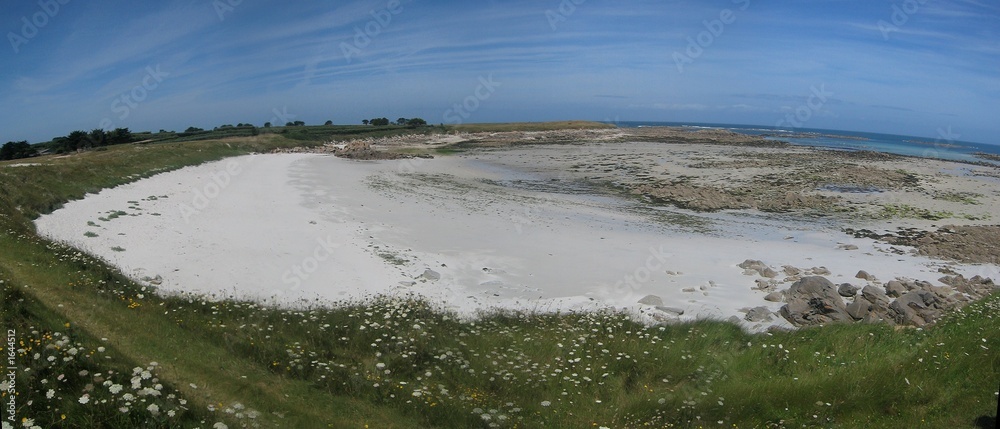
[380,122]
[16,150]
[193,130]
[328,123]
[98,137]
[267,125]
[120,136]
[401,121]
[364,121]
[416,122]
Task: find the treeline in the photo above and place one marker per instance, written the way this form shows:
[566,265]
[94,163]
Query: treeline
[78,140]
[17,150]
[381,122]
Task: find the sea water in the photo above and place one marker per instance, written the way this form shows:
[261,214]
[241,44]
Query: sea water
[852,140]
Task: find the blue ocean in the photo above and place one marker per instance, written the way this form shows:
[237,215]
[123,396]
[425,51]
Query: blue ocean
[941,148]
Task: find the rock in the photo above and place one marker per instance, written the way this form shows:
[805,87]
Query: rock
[651,300]
[758,314]
[820,271]
[859,308]
[775,297]
[430,274]
[895,289]
[875,296]
[848,247]
[864,275]
[763,285]
[751,267]
[813,301]
[688,290]
[791,271]
[407,284]
[907,310]
[847,290]
[752,264]
[672,310]
[976,287]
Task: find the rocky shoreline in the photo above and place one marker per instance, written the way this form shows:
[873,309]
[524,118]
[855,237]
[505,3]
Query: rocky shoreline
[715,171]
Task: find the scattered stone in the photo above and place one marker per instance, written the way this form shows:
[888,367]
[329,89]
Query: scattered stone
[430,274]
[671,310]
[768,272]
[688,290]
[755,267]
[752,264]
[791,271]
[848,247]
[407,284]
[864,275]
[764,285]
[775,297]
[651,300]
[976,287]
[759,314]
[847,290]
[819,271]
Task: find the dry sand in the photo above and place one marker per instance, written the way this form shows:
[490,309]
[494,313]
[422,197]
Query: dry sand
[533,228]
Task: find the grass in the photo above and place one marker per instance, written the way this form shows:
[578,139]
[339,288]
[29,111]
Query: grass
[907,211]
[401,362]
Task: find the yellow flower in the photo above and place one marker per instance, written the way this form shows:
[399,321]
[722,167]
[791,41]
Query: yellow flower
[63,417]
[67,324]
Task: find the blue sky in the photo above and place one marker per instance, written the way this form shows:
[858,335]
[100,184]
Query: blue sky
[909,67]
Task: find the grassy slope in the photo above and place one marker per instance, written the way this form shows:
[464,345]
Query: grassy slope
[678,376]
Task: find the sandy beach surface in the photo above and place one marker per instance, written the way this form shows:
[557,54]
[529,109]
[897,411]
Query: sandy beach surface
[539,228]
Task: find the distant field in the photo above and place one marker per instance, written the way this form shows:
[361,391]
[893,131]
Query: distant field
[320,133]
[92,335]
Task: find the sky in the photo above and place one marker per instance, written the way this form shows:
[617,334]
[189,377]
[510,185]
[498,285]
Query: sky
[928,68]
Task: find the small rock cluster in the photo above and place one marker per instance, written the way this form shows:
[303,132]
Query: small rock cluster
[815,300]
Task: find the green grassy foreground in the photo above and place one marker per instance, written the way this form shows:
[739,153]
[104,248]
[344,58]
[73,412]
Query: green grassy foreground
[94,349]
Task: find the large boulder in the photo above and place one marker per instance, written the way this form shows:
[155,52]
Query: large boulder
[814,301]
[895,288]
[875,296]
[859,308]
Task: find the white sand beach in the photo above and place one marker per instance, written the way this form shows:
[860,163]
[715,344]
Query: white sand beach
[471,232]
